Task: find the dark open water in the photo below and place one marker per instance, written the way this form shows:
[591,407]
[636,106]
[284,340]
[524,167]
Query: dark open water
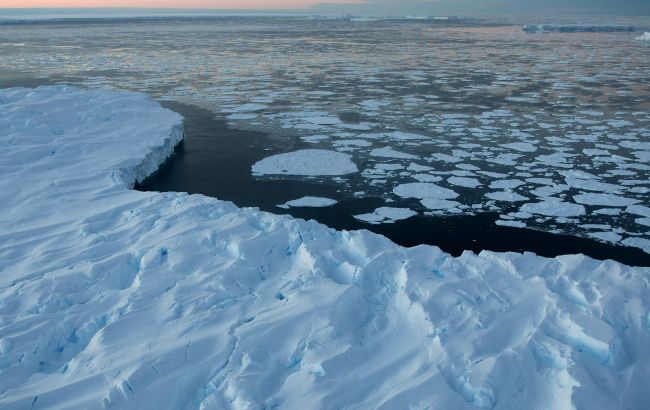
[215,160]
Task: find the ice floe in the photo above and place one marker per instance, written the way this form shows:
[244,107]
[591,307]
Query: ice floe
[423,190]
[386,215]
[309,202]
[307,162]
[554,207]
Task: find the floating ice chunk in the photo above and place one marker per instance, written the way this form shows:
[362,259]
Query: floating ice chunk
[638,210]
[426,178]
[644,37]
[513,224]
[642,243]
[386,215]
[436,204]
[387,152]
[446,157]
[554,207]
[643,221]
[590,184]
[313,139]
[506,196]
[423,190]
[464,182]
[309,201]
[389,167]
[418,168]
[607,211]
[307,162]
[604,200]
[520,146]
[606,236]
[506,184]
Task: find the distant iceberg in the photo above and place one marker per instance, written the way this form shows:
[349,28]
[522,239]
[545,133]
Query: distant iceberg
[575,28]
[644,37]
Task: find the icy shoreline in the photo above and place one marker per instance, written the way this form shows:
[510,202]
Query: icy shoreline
[111,297]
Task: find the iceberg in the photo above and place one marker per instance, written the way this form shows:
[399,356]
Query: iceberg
[114,298]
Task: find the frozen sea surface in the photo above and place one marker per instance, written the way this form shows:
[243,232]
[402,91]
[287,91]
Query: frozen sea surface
[169,300]
[468,104]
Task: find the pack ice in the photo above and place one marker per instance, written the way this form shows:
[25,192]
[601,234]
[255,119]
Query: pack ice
[115,298]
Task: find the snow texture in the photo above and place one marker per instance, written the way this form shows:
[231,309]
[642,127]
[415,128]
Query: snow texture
[113,298]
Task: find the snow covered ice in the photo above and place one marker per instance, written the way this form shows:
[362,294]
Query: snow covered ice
[111,297]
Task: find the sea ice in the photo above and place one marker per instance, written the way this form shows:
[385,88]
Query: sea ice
[553,207]
[512,224]
[506,196]
[423,190]
[604,200]
[438,204]
[386,215]
[387,152]
[464,182]
[310,202]
[307,162]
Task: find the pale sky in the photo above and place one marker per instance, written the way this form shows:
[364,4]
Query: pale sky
[196,4]
[379,7]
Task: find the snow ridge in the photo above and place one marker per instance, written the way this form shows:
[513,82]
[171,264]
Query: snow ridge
[115,298]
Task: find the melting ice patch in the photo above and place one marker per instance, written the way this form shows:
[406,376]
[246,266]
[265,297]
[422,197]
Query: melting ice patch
[307,162]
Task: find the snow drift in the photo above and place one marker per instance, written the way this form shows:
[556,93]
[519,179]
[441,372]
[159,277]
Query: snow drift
[115,298]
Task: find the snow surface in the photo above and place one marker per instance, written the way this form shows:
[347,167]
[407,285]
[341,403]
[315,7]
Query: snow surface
[306,162]
[113,298]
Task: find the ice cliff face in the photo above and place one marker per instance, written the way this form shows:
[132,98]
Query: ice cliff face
[116,298]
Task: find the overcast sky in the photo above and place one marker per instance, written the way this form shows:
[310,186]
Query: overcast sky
[395,7]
